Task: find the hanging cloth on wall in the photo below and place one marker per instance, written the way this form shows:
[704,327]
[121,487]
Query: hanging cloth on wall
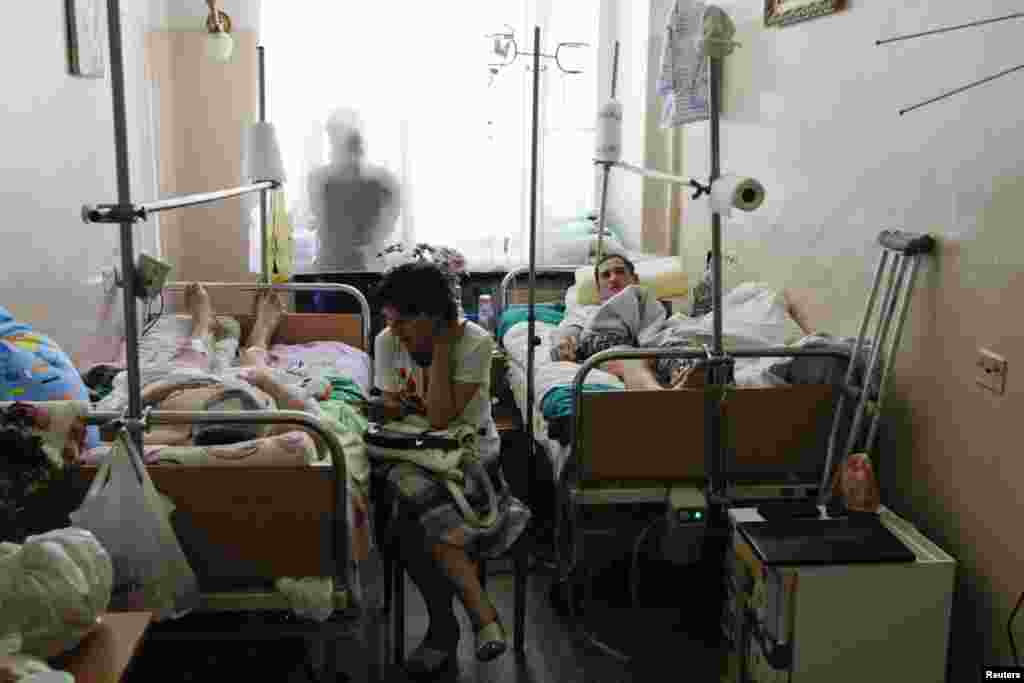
[683,80]
[279,251]
[693,32]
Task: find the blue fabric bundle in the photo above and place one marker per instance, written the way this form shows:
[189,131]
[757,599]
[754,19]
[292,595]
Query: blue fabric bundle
[558,402]
[34,368]
[517,313]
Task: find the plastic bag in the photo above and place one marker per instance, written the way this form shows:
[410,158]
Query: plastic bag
[132,521]
[23,668]
[53,589]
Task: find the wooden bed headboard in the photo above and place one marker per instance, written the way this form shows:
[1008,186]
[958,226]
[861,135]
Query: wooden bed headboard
[302,328]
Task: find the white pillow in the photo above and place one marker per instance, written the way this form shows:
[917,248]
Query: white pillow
[663,276]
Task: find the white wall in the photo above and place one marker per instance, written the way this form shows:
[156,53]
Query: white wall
[57,137]
[812,111]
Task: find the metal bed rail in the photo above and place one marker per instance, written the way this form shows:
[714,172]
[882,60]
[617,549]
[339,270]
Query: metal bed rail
[568,491]
[340,546]
[364,305]
[339,535]
[508,282]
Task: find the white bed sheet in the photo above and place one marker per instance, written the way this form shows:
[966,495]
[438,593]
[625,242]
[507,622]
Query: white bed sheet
[548,374]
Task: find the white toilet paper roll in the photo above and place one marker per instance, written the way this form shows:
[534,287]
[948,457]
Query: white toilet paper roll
[609,132]
[731,191]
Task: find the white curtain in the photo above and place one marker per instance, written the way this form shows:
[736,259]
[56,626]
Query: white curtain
[456,136]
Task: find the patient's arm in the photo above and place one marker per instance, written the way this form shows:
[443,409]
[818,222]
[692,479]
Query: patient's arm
[263,379]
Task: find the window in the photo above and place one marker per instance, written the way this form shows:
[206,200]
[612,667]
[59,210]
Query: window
[454,135]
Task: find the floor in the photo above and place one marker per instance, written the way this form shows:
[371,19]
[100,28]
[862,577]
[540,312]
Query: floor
[671,634]
[655,634]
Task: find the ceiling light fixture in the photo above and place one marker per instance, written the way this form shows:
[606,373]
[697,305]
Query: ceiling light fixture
[219,44]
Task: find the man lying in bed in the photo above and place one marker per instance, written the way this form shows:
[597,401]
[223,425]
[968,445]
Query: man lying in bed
[629,316]
[198,378]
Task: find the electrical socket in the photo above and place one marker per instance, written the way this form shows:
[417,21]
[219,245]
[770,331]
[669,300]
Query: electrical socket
[991,371]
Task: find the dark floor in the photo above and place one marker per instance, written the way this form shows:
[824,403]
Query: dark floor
[654,634]
[669,635]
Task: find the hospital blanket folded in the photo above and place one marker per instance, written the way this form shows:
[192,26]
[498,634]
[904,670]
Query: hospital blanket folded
[517,313]
[558,402]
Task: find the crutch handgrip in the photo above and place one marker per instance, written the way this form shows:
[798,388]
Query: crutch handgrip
[906,242]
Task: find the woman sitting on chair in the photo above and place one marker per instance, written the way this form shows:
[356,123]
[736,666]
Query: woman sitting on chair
[431,362]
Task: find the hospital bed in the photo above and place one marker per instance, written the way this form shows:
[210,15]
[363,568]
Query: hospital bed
[620,449]
[244,526]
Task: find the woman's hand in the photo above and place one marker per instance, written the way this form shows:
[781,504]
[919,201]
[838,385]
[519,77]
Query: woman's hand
[448,335]
[566,349]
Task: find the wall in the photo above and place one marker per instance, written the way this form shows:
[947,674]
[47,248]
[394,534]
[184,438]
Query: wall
[57,136]
[812,111]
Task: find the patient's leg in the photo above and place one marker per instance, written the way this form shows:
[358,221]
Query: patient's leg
[194,352]
[463,572]
[269,309]
[638,375]
[268,312]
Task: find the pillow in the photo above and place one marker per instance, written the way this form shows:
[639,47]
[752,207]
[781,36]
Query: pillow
[662,276]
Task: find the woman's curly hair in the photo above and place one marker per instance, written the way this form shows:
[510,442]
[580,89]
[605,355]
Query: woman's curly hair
[25,470]
[418,288]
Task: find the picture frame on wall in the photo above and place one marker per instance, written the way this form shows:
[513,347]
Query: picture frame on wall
[86,34]
[784,12]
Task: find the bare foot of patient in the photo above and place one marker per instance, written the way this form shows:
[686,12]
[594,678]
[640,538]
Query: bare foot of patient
[268,312]
[197,300]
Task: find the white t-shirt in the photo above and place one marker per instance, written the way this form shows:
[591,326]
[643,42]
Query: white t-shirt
[396,372]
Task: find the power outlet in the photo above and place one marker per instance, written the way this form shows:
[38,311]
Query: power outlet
[991,371]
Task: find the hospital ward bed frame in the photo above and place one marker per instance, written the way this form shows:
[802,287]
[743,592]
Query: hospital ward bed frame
[303,510]
[327,495]
[598,436]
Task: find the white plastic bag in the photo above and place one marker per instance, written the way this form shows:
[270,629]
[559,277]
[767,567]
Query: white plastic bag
[132,521]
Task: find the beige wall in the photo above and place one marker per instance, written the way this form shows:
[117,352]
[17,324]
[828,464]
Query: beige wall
[203,110]
[812,111]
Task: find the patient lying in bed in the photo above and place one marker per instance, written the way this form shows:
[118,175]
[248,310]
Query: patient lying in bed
[629,316]
[199,377]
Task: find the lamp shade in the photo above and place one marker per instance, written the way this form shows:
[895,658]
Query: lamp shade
[219,46]
[262,159]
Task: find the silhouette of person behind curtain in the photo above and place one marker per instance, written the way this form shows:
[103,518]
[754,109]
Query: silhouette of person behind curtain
[355,203]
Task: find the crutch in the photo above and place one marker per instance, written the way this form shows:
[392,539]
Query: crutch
[901,253]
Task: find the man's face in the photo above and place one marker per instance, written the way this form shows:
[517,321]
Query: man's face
[612,277]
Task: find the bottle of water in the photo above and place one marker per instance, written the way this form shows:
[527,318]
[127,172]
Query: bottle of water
[485,312]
